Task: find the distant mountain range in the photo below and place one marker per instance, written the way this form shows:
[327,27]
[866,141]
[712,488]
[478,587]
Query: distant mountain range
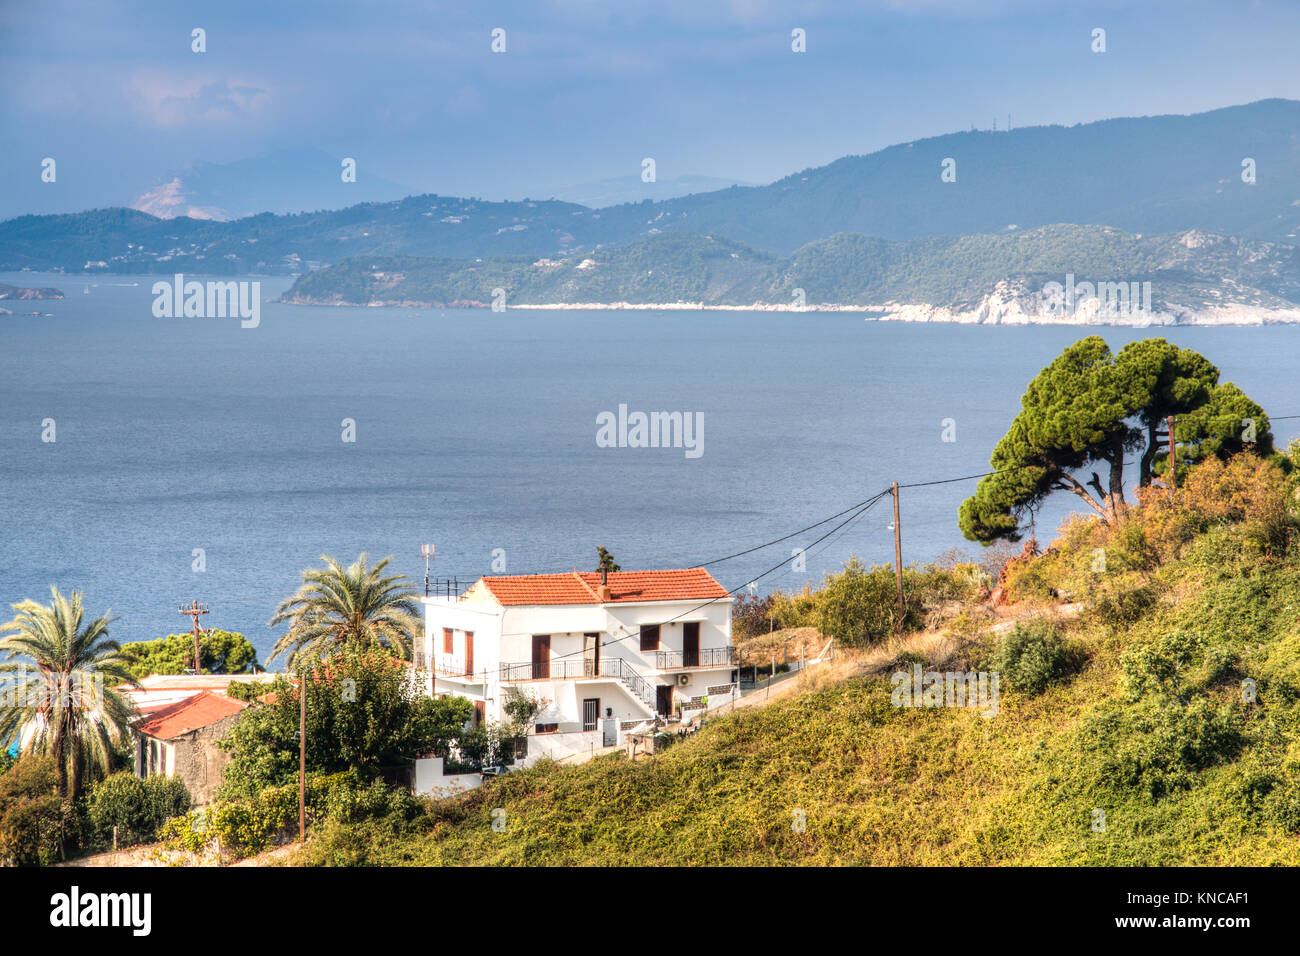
[288,181]
[631,189]
[863,230]
[1194,277]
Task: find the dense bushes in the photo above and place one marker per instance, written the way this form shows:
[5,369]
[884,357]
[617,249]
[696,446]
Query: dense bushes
[751,616]
[1224,513]
[362,712]
[241,828]
[1034,655]
[137,808]
[1157,745]
[859,605]
[31,813]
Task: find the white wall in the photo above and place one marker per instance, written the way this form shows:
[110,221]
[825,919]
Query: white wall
[559,746]
[504,635]
[430,780]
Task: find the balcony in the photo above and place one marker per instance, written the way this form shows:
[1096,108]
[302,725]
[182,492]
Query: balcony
[705,657]
[450,665]
[574,669]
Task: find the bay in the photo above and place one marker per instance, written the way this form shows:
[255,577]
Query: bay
[476,431]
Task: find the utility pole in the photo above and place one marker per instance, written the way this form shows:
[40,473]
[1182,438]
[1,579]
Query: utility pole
[427,551]
[194,611]
[898,559]
[302,757]
[1173,467]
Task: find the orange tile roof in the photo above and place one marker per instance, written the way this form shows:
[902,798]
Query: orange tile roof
[582,587]
[201,710]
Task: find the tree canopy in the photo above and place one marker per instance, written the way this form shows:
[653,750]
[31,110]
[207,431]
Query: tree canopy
[605,561]
[337,605]
[1092,409]
[220,652]
[59,688]
[364,711]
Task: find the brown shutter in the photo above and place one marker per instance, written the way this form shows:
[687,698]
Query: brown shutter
[649,637]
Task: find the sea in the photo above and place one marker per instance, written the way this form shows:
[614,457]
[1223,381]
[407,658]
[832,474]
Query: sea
[194,459]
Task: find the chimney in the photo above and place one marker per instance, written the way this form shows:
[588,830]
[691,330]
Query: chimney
[605,594]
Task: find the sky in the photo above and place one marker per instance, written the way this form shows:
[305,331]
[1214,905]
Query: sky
[586,90]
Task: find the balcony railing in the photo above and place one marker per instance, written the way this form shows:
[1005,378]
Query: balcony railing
[450,665]
[577,669]
[704,657]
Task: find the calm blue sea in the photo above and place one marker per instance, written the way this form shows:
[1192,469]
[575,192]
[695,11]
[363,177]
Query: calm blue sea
[476,431]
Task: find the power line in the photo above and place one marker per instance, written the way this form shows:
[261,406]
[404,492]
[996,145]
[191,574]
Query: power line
[759,547]
[862,509]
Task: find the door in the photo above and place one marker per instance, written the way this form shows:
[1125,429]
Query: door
[664,699]
[590,712]
[691,644]
[591,655]
[469,653]
[541,656]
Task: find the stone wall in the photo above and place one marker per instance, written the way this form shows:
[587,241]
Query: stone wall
[199,761]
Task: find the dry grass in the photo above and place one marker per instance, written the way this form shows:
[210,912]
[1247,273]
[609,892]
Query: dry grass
[787,644]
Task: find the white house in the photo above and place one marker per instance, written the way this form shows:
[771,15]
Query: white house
[603,653]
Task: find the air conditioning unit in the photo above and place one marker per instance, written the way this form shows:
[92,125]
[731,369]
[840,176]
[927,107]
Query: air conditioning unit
[683,680]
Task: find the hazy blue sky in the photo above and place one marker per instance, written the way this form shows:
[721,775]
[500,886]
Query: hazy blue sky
[586,89]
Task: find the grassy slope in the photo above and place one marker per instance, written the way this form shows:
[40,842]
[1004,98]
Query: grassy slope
[1152,730]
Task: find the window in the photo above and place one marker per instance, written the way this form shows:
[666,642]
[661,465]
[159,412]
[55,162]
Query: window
[649,637]
[547,728]
[448,641]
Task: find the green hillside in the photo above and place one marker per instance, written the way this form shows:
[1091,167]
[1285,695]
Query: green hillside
[1186,270]
[1170,704]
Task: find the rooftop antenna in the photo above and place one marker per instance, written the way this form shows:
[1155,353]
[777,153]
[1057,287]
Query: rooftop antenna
[195,610]
[427,551]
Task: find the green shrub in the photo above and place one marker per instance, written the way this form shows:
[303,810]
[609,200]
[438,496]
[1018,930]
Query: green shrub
[120,802]
[1122,599]
[167,797]
[1032,656]
[1160,665]
[31,813]
[185,832]
[1157,745]
[240,828]
[1032,580]
[135,807]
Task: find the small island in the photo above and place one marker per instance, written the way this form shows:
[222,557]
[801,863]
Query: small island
[15,292]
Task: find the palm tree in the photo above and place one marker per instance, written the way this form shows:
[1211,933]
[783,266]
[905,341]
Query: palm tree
[69,707]
[336,605]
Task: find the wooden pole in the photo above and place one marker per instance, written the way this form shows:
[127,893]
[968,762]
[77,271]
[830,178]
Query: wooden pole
[898,559]
[1173,467]
[194,611]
